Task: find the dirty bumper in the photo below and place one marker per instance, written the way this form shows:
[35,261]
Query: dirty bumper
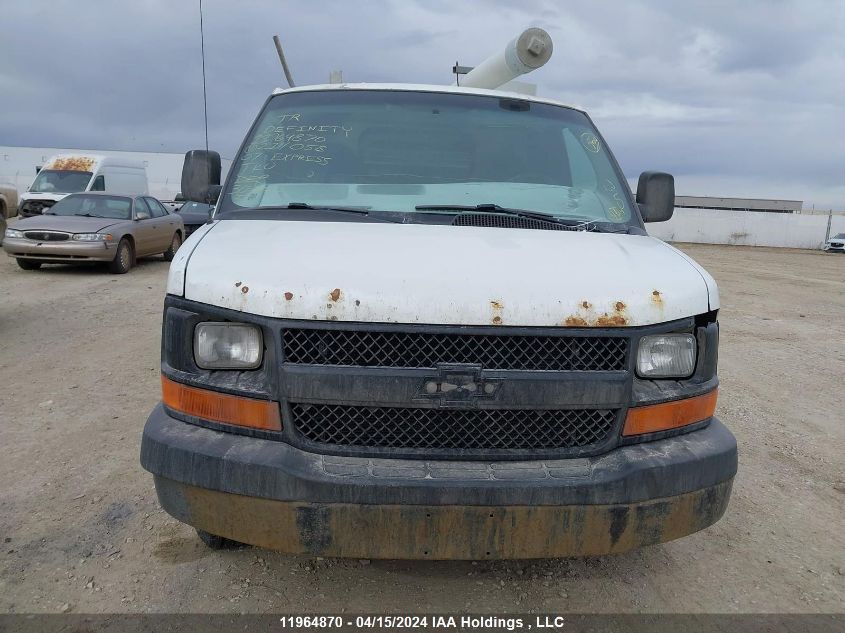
[270,494]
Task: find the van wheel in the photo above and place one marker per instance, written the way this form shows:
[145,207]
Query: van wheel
[122,261]
[28,264]
[175,243]
[216,542]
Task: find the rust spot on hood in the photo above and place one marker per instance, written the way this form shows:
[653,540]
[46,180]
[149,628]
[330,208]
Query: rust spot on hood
[657,298]
[238,284]
[334,295]
[73,163]
[611,320]
[497,307]
[617,318]
[288,296]
[245,289]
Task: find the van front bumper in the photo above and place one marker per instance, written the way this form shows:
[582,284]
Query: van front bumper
[59,252]
[273,495]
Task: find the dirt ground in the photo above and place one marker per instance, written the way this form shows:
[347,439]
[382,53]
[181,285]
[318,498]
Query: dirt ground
[81,530]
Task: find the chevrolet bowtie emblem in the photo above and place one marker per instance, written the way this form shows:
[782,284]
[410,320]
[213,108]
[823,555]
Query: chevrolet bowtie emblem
[458,386]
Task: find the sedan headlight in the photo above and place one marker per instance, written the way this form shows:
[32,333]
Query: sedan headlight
[92,237]
[666,356]
[227,345]
[13,233]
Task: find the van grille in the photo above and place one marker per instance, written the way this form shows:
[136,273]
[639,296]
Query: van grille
[423,428]
[362,348]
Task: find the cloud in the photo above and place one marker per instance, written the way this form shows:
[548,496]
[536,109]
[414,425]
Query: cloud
[719,93]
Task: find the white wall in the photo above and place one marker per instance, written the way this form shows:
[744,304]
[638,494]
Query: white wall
[748,228]
[164,170]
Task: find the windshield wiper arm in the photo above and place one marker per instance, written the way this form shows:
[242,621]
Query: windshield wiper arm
[365,211]
[495,208]
[305,205]
[83,215]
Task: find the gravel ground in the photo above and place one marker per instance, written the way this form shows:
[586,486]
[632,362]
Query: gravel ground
[81,529]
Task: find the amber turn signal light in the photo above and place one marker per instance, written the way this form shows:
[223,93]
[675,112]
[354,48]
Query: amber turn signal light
[221,407]
[670,415]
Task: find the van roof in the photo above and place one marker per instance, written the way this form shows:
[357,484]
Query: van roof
[88,162]
[424,88]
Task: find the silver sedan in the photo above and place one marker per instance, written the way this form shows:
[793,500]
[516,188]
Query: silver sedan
[95,227]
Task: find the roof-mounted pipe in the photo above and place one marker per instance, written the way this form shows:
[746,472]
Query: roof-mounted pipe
[527,52]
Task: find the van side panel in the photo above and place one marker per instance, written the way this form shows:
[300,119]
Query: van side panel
[125,180]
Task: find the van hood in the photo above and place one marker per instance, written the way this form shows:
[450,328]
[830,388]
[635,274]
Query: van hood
[411,273]
[37,195]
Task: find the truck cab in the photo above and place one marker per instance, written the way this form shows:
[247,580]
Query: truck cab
[429,322]
[64,174]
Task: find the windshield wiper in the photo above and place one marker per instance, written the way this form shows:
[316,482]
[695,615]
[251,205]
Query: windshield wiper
[305,205]
[586,223]
[365,211]
[85,215]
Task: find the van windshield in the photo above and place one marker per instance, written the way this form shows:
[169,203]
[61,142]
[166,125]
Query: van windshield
[399,150]
[60,181]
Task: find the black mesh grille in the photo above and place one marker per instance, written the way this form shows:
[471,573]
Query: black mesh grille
[406,427]
[507,222]
[420,349]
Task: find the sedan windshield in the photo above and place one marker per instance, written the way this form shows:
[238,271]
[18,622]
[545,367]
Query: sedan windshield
[419,152]
[94,206]
[60,181]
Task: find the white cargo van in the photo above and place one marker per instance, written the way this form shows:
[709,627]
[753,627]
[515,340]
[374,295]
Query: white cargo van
[428,322]
[71,173]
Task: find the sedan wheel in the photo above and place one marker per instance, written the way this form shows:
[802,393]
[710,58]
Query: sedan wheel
[175,243]
[122,261]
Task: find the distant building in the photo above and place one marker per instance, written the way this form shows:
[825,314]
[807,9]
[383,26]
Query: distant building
[19,166]
[739,204]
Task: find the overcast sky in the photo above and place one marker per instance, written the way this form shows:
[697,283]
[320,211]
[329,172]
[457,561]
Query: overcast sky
[740,99]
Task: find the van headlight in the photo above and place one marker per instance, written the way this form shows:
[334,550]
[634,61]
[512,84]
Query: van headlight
[227,345]
[666,356]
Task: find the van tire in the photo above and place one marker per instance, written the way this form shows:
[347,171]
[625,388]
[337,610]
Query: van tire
[123,258]
[28,264]
[212,541]
[175,243]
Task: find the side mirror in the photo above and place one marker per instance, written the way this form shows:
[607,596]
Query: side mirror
[179,197]
[142,215]
[656,196]
[200,172]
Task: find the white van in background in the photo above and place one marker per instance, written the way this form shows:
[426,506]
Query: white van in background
[71,173]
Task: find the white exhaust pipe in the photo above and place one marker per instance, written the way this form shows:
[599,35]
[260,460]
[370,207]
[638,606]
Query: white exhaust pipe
[527,52]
